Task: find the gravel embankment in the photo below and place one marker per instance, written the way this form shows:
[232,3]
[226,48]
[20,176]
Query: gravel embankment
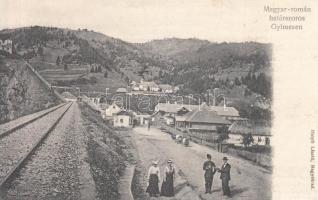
[14,146]
[54,171]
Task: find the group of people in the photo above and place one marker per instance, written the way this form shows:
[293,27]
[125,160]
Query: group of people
[167,188]
[154,179]
[210,169]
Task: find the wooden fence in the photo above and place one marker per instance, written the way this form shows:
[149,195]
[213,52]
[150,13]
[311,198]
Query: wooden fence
[259,158]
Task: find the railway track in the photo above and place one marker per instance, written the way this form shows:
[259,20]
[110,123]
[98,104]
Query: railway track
[19,144]
[11,126]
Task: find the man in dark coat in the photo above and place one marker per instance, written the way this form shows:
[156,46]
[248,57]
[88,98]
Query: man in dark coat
[209,168]
[225,176]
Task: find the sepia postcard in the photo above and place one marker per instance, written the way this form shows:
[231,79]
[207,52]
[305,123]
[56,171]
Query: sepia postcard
[158,99]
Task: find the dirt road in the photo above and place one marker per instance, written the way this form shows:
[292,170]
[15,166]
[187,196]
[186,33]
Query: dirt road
[249,182]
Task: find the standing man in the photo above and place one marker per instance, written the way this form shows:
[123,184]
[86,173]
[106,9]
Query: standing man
[225,177]
[209,168]
[149,125]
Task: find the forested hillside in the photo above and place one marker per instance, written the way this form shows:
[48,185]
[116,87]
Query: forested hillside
[93,61]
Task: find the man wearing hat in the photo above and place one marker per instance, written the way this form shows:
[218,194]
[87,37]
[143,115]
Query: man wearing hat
[225,176]
[209,168]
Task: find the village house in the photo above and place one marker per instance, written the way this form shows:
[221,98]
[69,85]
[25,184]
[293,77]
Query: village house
[167,112]
[148,86]
[111,110]
[166,88]
[202,123]
[134,86]
[226,112]
[6,46]
[229,113]
[95,98]
[121,90]
[123,119]
[261,133]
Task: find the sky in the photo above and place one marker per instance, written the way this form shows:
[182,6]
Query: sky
[144,20]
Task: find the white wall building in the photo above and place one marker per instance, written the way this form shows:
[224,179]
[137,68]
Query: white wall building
[112,109]
[6,45]
[122,119]
[148,85]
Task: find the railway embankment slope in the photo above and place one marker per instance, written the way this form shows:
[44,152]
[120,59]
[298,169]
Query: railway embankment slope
[21,91]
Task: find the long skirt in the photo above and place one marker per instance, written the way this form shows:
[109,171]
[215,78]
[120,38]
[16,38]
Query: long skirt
[153,187]
[167,186]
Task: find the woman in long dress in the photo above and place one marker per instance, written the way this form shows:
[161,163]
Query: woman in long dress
[153,178]
[167,184]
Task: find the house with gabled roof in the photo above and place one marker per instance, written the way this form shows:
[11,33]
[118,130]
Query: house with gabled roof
[229,113]
[123,119]
[148,86]
[202,123]
[121,90]
[112,109]
[260,132]
[171,108]
[166,88]
[166,112]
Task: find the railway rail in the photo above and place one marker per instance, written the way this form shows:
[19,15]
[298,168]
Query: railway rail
[18,144]
[7,128]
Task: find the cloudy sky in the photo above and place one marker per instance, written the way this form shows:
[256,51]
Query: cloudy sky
[143,20]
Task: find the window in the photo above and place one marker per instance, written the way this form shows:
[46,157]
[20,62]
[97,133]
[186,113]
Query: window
[121,121]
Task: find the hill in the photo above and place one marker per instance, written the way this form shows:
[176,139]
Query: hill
[85,58]
[93,61]
[200,65]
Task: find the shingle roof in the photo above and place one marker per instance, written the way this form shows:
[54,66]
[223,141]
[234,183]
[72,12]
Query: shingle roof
[245,127]
[225,111]
[123,90]
[169,108]
[205,116]
[220,110]
[165,86]
[124,112]
[148,83]
[241,127]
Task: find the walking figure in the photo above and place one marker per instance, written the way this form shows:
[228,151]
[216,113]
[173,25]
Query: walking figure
[153,179]
[167,184]
[209,168]
[148,125]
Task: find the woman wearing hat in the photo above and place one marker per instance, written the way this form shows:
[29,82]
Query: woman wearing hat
[153,178]
[167,184]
